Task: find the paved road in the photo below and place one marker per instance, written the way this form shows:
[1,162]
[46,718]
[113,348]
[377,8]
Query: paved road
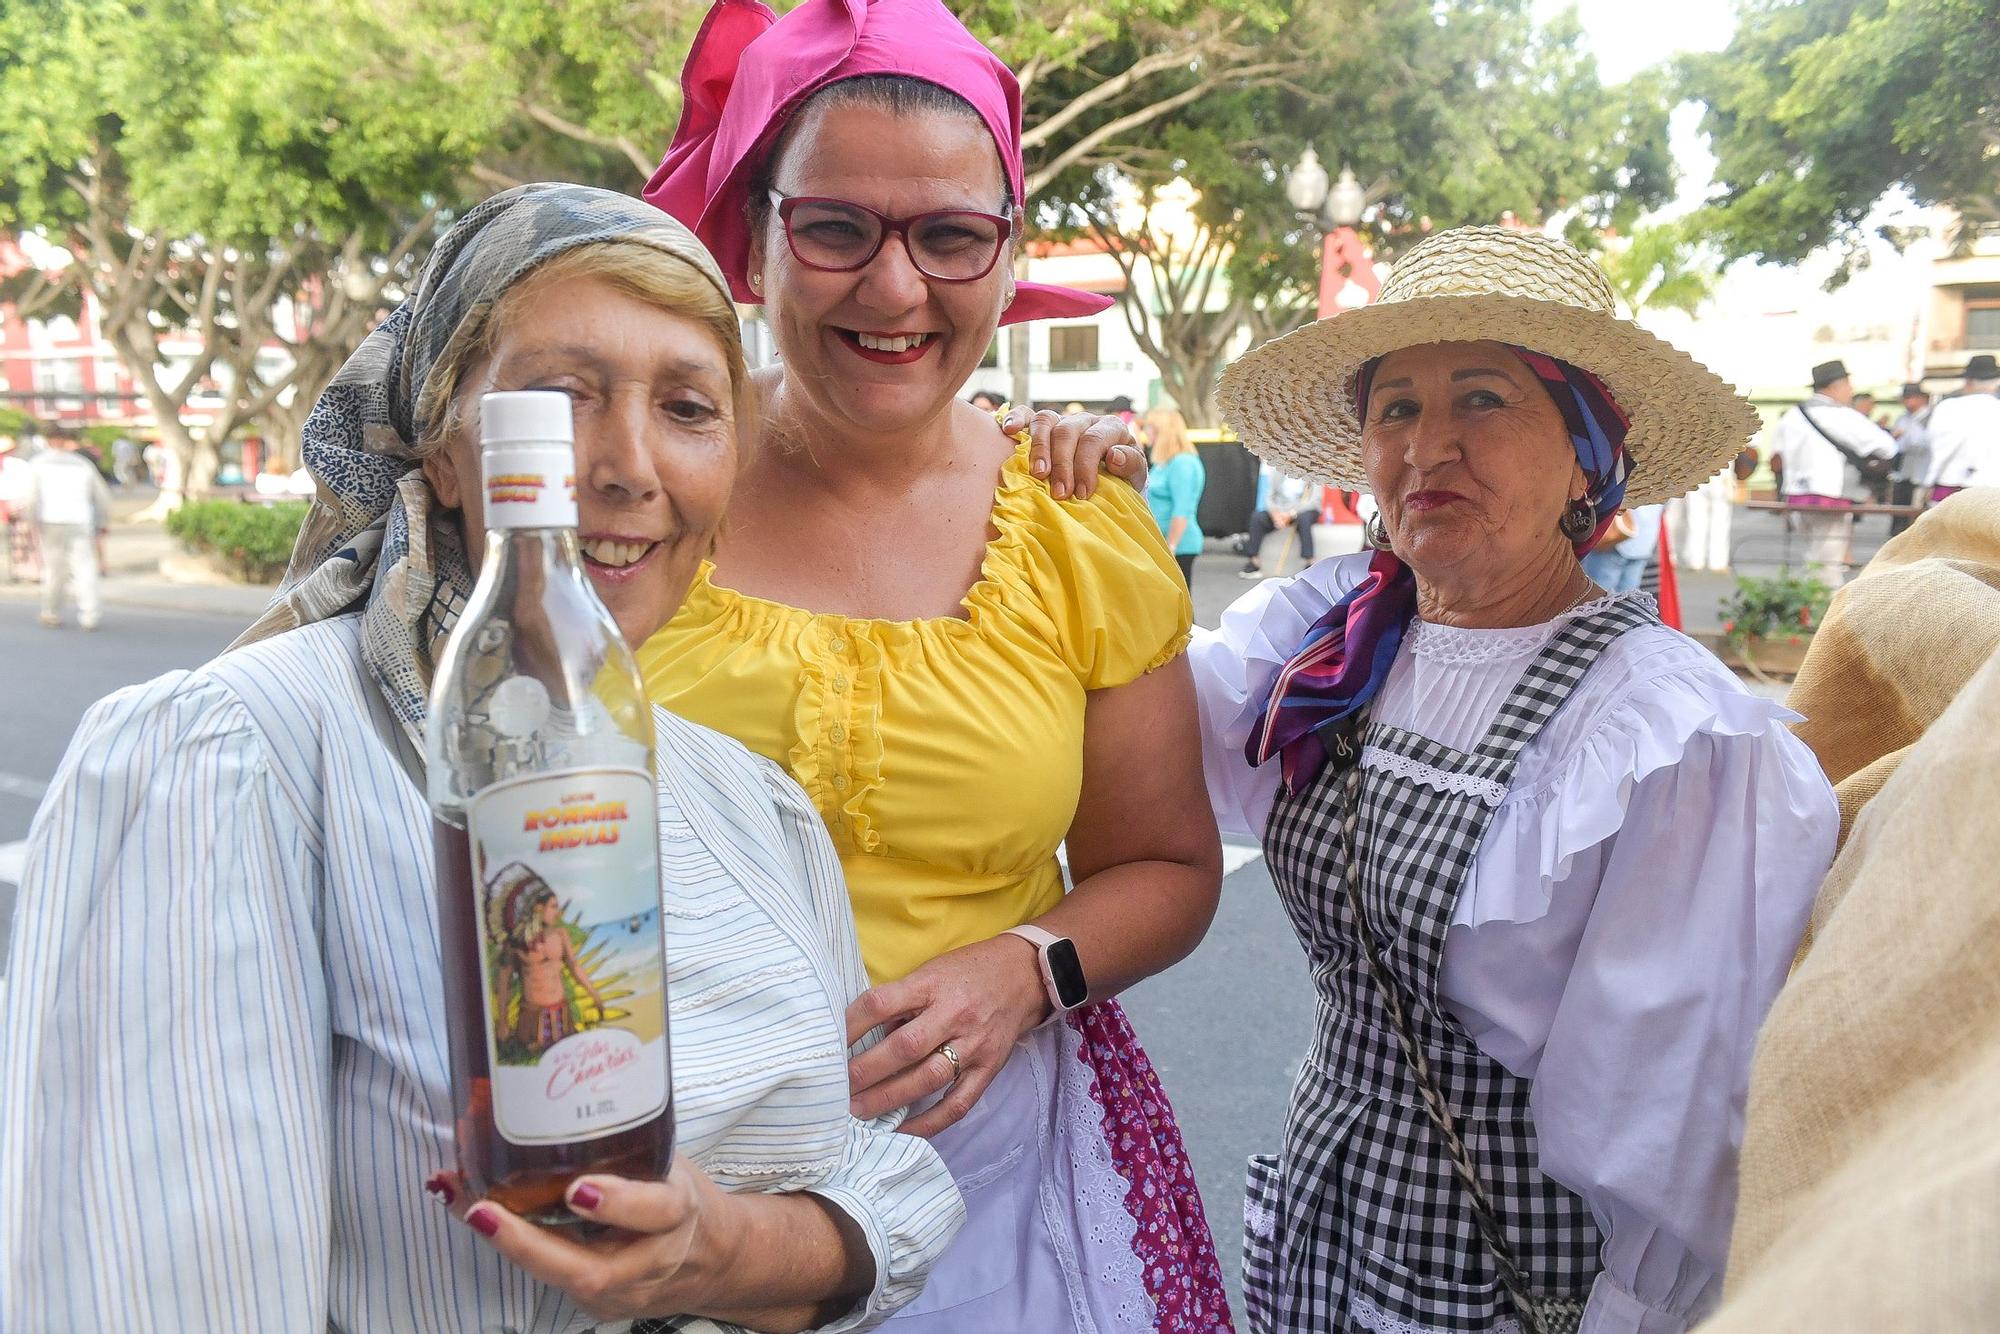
[52,676]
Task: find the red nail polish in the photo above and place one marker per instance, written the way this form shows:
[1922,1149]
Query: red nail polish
[484,1221]
[440,1189]
[585,1196]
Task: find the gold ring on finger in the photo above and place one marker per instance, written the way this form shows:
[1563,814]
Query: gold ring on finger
[952,1056]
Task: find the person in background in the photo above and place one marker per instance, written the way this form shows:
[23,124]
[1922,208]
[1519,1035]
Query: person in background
[19,537]
[1914,422]
[1865,405]
[1620,560]
[1284,502]
[70,507]
[1121,408]
[986,400]
[1699,523]
[1913,446]
[1175,487]
[125,460]
[1965,433]
[1820,446]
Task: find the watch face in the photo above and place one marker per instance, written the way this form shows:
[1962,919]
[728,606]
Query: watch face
[1067,970]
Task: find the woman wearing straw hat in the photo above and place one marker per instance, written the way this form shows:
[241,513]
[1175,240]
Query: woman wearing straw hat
[1585,854]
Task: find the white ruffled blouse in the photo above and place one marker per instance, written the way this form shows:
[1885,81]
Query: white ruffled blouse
[1627,920]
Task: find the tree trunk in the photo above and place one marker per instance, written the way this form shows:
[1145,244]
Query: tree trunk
[191,467]
[284,432]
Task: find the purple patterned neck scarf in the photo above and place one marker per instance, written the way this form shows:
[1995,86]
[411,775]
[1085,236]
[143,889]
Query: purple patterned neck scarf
[1346,653]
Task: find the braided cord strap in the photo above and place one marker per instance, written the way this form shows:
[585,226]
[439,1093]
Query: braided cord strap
[1536,1317]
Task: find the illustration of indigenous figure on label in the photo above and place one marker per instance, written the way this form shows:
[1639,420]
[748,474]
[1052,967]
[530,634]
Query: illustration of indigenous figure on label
[534,962]
[572,964]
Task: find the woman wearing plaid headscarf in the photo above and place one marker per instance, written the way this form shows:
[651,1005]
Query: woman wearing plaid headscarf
[224,1081]
[1547,858]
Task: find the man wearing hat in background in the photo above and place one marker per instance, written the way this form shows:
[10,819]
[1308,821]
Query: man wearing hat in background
[1820,448]
[1965,432]
[1913,445]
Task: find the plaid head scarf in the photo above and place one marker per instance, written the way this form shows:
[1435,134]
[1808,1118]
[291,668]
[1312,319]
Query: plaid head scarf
[375,537]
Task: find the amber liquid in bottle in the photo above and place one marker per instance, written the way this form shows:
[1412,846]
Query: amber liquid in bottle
[539,762]
[529,1179]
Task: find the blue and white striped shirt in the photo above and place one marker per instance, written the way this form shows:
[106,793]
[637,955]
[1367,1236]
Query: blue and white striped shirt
[223,1074]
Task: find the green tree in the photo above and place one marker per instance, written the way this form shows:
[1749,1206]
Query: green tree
[1819,107]
[1663,266]
[1453,112]
[206,169]
[212,169]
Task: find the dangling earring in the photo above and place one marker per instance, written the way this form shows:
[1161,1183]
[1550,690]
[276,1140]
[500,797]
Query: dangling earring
[1579,521]
[1375,532]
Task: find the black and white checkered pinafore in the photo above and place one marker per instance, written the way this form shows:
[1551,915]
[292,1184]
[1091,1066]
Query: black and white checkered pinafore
[1359,1224]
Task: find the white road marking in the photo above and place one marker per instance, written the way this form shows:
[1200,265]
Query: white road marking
[1236,856]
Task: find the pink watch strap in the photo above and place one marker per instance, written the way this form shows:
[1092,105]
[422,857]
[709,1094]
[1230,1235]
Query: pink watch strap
[1041,940]
[1034,935]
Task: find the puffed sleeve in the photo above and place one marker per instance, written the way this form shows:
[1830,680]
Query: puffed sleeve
[1678,856]
[895,1187]
[1093,576]
[1234,666]
[165,1059]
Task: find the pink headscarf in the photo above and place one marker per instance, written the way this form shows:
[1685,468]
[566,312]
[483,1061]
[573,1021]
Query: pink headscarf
[749,70]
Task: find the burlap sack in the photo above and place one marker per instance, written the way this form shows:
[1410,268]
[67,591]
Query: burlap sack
[1899,642]
[1870,1194]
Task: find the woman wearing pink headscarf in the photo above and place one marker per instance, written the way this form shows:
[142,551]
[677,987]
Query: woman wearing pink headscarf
[964,665]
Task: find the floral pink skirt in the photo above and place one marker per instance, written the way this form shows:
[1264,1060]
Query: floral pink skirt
[1081,1209]
[1182,1274]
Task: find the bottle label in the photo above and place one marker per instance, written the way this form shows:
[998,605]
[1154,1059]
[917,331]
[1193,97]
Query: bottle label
[573,953]
[530,487]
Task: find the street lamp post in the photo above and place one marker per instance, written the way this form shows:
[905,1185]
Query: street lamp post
[1335,207]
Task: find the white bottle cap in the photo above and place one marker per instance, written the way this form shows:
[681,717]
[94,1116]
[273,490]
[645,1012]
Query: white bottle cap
[525,417]
[528,460]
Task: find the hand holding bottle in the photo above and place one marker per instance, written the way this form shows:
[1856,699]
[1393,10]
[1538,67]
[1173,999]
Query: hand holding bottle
[660,1256]
[684,1246]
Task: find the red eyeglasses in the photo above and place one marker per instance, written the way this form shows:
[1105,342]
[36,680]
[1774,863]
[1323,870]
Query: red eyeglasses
[837,236]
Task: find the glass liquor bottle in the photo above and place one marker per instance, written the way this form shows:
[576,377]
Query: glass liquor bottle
[540,768]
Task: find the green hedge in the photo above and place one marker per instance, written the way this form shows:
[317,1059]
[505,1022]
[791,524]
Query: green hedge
[255,539]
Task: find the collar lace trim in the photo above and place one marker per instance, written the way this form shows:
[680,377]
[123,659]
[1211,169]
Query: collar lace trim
[1453,646]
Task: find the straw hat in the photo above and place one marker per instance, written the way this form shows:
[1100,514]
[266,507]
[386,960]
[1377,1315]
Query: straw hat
[1292,399]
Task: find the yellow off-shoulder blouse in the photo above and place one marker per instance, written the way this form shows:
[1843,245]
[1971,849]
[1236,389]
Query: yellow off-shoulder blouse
[945,755]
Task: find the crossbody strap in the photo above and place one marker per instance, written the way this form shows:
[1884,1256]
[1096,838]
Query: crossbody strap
[1537,1315]
[1858,461]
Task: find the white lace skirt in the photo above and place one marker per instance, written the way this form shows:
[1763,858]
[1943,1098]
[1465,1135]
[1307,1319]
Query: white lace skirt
[1047,1242]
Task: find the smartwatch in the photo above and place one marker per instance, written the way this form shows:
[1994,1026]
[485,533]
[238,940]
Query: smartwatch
[1062,971]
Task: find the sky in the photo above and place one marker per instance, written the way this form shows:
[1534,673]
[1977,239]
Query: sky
[1629,35]
[1766,322]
